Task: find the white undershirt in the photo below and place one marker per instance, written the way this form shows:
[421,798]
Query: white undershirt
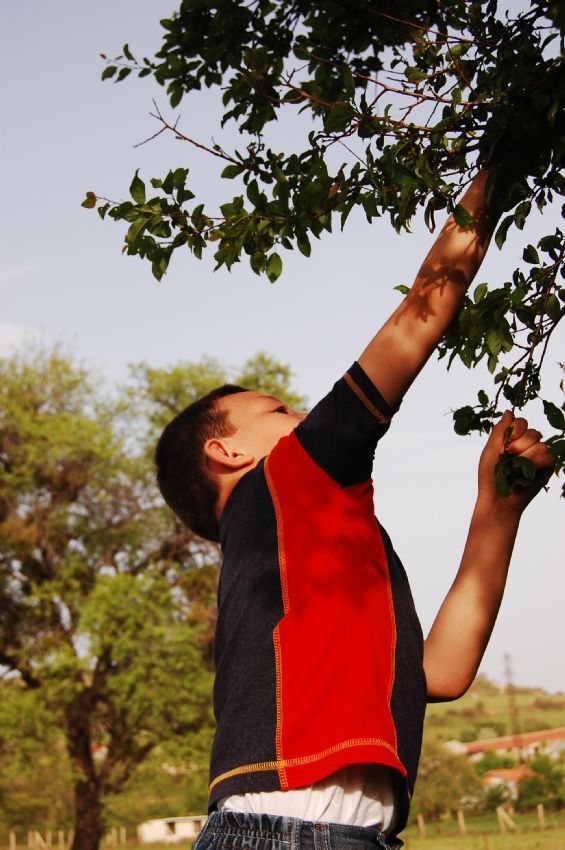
[356,795]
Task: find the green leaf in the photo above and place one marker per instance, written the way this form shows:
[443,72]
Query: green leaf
[402,288]
[231,171]
[550,244]
[463,217]
[521,214]
[196,215]
[502,232]
[274,267]
[531,255]
[127,53]
[463,420]
[414,74]
[184,195]
[135,229]
[499,338]
[338,118]
[168,183]
[480,292]
[253,192]
[304,246]
[159,265]
[554,415]
[175,97]
[257,261]
[179,177]
[137,189]
[501,478]
[109,71]
[553,308]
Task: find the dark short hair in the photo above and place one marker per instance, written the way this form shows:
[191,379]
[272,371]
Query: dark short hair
[184,480]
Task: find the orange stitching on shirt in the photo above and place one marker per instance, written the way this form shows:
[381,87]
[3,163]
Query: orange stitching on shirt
[302,760]
[278,739]
[280,535]
[393,641]
[384,420]
[276,636]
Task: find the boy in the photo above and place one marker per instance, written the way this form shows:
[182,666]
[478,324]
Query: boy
[322,675]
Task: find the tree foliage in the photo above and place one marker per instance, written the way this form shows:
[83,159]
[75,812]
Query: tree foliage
[445,781]
[35,776]
[403,103]
[106,601]
[546,784]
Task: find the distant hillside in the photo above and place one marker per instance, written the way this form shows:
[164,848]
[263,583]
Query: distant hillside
[484,712]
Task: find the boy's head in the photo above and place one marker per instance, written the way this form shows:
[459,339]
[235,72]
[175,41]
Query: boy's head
[204,451]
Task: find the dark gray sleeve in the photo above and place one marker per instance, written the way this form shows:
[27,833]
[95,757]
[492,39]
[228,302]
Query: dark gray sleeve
[342,431]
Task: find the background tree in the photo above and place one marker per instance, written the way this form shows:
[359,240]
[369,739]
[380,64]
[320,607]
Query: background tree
[105,599]
[546,785]
[35,774]
[445,780]
[406,101]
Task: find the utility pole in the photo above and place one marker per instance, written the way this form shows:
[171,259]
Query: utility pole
[512,707]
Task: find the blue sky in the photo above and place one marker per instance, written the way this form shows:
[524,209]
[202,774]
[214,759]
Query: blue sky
[63,278]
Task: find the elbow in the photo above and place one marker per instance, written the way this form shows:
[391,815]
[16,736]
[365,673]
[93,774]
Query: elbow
[448,688]
[446,694]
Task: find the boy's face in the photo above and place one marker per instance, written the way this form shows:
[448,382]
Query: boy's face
[259,420]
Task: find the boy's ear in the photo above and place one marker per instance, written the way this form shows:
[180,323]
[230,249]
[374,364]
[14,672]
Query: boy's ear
[219,451]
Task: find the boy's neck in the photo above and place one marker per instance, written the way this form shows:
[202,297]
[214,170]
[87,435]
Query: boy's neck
[226,483]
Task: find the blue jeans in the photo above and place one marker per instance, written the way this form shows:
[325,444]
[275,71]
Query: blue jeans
[234,831]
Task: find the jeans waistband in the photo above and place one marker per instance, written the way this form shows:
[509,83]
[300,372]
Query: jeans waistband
[235,831]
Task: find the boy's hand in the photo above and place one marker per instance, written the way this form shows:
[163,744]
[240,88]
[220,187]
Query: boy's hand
[523,442]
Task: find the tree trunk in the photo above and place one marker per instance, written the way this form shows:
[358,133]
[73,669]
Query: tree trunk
[88,815]
[88,803]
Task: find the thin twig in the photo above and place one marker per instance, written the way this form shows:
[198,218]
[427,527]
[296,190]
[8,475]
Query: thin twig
[420,27]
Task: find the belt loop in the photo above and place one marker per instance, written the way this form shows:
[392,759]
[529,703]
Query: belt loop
[322,836]
[295,834]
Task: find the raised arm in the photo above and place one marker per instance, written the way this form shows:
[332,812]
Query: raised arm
[458,638]
[400,349]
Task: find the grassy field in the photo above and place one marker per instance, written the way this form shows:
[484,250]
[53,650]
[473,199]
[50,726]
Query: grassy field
[550,839]
[484,834]
[484,713]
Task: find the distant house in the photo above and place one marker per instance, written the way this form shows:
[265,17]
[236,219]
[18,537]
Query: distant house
[510,777]
[170,830]
[551,741]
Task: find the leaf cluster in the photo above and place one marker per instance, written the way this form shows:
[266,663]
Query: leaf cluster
[416,98]
[423,94]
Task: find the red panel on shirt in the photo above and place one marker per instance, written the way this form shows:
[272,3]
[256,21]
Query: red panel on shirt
[336,642]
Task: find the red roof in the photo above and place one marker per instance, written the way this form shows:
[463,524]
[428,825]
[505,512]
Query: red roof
[509,742]
[507,774]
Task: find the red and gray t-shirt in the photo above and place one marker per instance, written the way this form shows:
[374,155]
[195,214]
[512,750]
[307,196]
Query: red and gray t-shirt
[318,646]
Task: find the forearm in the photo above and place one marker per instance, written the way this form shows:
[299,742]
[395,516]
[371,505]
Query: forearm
[402,346]
[458,638]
